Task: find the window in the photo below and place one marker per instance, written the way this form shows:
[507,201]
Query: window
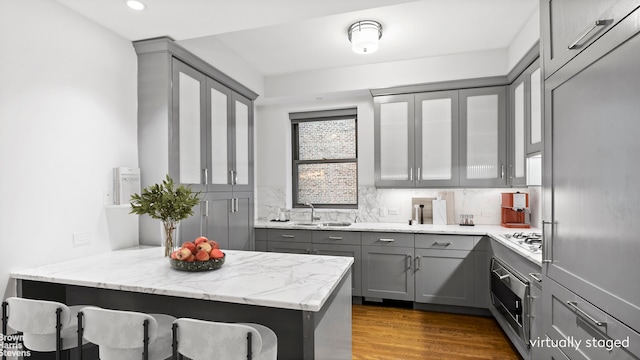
[325,158]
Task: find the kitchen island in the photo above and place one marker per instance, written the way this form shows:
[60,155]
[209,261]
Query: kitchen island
[305,299]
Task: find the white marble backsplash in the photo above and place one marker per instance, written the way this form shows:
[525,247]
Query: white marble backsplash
[394,205]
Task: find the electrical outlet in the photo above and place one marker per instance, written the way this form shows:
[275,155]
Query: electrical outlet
[393,211]
[383,212]
[81,239]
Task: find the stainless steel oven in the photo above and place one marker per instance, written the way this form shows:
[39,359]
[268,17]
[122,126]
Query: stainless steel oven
[509,294]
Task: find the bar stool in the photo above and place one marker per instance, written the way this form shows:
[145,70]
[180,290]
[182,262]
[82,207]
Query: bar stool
[124,335]
[207,340]
[46,326]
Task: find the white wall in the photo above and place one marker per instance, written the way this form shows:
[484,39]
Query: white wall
[307,85]
[220,56]
[524,40]
[67,118]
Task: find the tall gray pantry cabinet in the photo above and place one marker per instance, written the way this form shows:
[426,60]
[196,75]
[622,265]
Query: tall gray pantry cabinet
[196,124]
[591,52]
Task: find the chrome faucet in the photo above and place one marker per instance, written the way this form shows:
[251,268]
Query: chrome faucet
[313,217]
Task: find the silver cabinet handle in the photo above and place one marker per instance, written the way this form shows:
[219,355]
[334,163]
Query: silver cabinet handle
[287,236]
[235,177]
[335,237]
[501,277]
[536,277]
[441,244]
[206,208]
[419,174]
[410,174]
[501,171]
[409,258]
[574,305]
[387,240]
[417,262]
[236,201]
[206,176]
[546,242]
[596,24]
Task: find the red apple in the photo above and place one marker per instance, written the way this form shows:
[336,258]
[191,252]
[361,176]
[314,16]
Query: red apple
[191,258]
[191,246]
[202,255]
[174,255]
[204,246]
[183,253]
[216,254]
[214,244]
[199,240]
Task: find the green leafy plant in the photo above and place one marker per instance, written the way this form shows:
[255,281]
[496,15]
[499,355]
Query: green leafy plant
[167,203]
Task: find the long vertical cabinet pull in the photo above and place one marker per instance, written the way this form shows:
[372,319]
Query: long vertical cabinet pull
[419,174]
[206,176]
[409,258]
[547,241]
[410,174]
[417,262]
[205,214]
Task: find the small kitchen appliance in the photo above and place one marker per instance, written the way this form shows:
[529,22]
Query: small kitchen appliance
[515,210]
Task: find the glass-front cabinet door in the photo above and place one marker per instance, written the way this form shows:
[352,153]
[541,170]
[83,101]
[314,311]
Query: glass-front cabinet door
[518,93]
[241,172]
[394,141]
[187,163]
[534,130]
[219,172]
[483,136]
[436,138]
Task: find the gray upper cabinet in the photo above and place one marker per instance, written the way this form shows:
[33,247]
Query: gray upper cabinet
[483,140]
[569,27]
[196,124]
[591,203]
[525,122]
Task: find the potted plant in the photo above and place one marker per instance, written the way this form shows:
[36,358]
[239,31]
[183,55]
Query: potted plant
[167,203]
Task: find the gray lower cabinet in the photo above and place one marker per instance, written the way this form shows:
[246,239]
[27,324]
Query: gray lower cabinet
[387,272]
[223,217]
[536,316]
[583,331]
[387,265]
[345,250]
[260,236]
[289,241]
[444,270]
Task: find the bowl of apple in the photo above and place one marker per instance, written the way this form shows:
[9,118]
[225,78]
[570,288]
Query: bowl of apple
[201,254]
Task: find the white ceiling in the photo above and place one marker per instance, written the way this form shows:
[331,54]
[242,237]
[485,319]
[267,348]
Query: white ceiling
[286,36]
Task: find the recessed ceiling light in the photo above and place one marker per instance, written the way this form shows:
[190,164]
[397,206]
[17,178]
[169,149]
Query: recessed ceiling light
[136,5]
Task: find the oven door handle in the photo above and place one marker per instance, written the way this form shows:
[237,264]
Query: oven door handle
[501,277]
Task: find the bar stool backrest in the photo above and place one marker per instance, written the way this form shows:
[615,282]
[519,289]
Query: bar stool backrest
[117,329]
[36,316]
[206,340]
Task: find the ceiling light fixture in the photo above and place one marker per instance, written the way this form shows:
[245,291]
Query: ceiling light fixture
[364,36]
[136,5]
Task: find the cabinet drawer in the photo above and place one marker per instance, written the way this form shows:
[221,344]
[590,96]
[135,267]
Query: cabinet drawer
[336,237]
[388,239]
[596,334]
[444,242]
[288,235]
[290,247]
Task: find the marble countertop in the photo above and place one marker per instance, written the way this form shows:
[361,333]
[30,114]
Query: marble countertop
[289,281]
[493,231]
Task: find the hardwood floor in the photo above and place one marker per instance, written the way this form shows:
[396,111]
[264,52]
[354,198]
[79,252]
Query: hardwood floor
[390,333]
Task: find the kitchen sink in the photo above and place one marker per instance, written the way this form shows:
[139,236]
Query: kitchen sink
[337,223]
